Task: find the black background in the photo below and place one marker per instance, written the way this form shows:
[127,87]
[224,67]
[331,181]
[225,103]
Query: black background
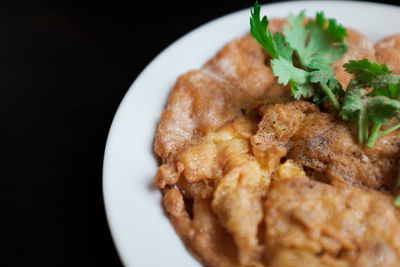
[64,68]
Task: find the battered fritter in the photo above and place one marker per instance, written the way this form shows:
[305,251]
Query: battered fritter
[251,177]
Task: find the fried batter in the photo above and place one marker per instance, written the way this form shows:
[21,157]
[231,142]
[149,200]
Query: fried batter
[279,123]
[251,177]
[223,156]
[310,223]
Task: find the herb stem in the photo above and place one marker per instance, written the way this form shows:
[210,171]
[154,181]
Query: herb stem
[374,135]
[361,127]
[365,125]
[389,130]
[331,96]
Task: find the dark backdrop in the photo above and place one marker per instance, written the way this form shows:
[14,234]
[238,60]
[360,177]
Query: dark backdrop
[64,68]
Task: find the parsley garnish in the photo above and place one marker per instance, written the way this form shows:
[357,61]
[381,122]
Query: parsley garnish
[320,37]
[302,58]
[371,110]
[317,44]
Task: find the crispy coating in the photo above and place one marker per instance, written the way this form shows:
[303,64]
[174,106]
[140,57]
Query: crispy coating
[202,234]
[222,159]
[237,202]
[200,102]
[325,145]
[328,146]
[310,223]
[279,123]
[203,100]
[251,177]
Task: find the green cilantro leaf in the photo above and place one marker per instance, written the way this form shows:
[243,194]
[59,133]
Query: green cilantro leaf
[335,31]
[386,85]
[299,90]
[352,101]
[298,78]
[275,45]
[391,90]
[328,42]
[381,108]
[381,104]
[296,35]
[353,109]
[282,53]
[258,29]
[365,70]
[286,71]
[316,38]
[319,43]
[322,73]
[317,79]
[317,46]
[284,50]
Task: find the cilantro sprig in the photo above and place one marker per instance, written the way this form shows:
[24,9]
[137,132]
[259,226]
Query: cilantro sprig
[321,37]
[372,110]
[302,56]
[316,45]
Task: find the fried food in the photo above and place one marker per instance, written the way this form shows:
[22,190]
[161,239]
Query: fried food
[251,177]
[324,145]
[310,223]
[388,51]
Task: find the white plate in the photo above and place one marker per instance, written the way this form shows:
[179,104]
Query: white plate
[141,231]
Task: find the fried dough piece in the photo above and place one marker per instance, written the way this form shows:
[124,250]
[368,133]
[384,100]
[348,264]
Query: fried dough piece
[242,62]
[328,146]
[230,84]
[203,236]
[218,159]
[237,203]
[279,123]
[310,223]
[325,145]
[205,160]
[360,47]
[199,103]
[388,51]
[236,194]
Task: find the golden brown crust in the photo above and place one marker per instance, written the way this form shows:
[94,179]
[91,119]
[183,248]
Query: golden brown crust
[329,225]
[252,178]
[279,123]
[202,234]
[328,146]
[200,102]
